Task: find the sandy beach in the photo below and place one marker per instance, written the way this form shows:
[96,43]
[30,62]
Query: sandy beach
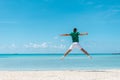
[61,75]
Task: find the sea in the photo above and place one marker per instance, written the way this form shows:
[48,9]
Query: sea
[52,61]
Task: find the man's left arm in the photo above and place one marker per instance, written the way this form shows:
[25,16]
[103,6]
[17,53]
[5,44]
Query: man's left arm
[84,33]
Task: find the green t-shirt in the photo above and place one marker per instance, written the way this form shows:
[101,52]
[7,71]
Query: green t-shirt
[75,36]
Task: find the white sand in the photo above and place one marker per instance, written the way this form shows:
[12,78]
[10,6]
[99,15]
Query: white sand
[60,75]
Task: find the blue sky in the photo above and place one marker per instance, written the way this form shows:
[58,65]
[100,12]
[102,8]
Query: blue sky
[34,26]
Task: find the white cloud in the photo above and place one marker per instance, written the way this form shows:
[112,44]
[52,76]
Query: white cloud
[62,46]
[36,45]
[44,45]
[55,44]
[111,11]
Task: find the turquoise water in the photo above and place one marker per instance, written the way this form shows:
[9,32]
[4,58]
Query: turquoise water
[53,62]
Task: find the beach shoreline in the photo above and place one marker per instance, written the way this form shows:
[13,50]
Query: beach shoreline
[61,75]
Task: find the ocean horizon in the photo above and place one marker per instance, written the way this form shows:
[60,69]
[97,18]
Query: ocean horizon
[59,53]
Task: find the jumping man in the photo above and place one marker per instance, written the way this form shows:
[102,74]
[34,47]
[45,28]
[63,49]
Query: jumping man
[75,39]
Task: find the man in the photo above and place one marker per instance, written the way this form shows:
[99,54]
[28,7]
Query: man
[75,39]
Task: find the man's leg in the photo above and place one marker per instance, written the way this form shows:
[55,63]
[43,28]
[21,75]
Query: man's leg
[66,53]
[85,52]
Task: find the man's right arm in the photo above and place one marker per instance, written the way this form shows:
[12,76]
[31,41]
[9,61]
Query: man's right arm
[65,35]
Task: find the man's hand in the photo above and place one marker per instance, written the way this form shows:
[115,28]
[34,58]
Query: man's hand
[85,33]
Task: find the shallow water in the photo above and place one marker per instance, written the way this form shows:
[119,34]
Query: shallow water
[53,62]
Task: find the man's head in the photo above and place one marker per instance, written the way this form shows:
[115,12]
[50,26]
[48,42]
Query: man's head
[75,30]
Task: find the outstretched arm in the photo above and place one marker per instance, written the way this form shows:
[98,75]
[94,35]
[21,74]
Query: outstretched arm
[65,35]
[82,34]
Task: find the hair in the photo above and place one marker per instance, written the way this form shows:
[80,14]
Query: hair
[75,30]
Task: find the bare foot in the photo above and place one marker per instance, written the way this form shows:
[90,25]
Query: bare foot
[90,57]
[62,58]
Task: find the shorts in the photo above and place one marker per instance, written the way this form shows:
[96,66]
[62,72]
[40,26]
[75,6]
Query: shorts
[75,45]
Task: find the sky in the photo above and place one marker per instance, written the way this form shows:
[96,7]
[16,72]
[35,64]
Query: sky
[34,26]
